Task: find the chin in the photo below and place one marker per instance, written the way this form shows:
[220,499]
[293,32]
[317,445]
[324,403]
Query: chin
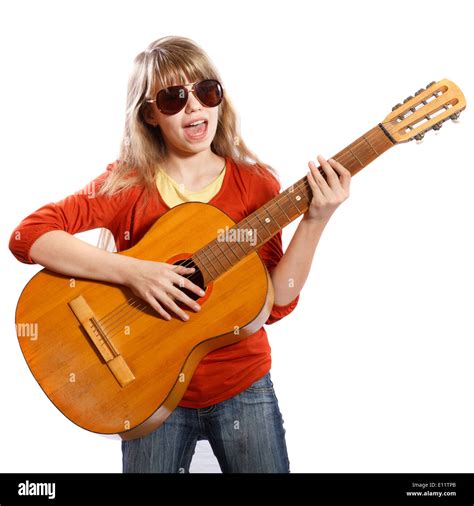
[196,148]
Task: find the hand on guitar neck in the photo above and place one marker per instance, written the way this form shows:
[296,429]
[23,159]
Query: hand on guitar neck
[328,191]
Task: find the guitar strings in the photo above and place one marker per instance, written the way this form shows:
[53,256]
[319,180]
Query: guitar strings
[136,305]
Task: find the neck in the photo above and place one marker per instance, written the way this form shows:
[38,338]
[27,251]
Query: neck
[181,165]
[256,229]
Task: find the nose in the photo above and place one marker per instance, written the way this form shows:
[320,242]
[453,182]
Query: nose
[192,103]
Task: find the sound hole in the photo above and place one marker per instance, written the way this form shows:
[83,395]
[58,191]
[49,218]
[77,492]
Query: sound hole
[195,277]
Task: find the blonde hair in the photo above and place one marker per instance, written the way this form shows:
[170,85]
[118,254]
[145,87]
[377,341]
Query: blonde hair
[163,63]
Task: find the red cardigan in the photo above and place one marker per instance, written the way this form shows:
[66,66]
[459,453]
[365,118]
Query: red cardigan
[224,372]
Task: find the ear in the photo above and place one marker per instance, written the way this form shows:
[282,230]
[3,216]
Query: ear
[148,115]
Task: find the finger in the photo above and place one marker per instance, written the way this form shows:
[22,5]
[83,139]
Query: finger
[317,194]
[157,307]
[183,282]
[345,175]
[182,297]
[320,181]
[331,176]
[171,304]
[181,269]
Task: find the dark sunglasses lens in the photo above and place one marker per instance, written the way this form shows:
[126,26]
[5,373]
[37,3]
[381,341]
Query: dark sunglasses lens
[171,100]
[209,92]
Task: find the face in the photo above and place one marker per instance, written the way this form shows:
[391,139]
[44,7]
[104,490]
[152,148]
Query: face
[177,136]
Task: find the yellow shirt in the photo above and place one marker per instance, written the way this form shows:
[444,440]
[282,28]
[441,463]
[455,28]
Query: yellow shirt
[174,193]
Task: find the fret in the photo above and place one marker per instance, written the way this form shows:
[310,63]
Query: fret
[304,188]
[291,200]
[247,248]
[243,250]
[250,236]
[219,245]
[198,259]
[367,141]
[246,226]
[217,255]
[234,253]
[299,198]
[243,224]
[307,191]
[350,162]
[283,214]
[359,147]
[270,220]
[204,250]
[257,215]
[355,156]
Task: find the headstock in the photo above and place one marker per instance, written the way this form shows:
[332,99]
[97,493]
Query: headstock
[428,109]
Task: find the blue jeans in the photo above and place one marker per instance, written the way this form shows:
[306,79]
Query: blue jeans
[245,432]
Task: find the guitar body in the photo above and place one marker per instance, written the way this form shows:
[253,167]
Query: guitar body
[161,355]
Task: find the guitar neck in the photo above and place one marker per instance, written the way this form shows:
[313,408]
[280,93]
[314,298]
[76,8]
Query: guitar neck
[235,243]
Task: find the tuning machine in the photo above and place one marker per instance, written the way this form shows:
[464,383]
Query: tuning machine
[455,116]
[419,137]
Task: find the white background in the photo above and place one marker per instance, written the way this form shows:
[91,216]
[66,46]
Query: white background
[374,369]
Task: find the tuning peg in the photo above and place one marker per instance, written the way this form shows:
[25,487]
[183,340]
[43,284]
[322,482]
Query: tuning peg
[455,116]
[407,99]
[431,84]
[396,106]
[437,126]
[419,137]
[421,90]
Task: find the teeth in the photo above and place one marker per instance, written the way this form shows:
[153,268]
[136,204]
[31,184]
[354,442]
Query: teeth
[197,123]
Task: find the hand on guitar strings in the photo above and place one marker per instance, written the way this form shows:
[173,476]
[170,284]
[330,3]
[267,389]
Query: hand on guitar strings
[157,283]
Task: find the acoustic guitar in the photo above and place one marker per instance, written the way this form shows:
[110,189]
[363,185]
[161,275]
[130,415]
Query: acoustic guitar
[111,364]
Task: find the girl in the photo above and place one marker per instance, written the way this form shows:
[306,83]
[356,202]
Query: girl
[181,143]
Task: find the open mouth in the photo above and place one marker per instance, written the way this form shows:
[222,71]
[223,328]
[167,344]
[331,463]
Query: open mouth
[196,129]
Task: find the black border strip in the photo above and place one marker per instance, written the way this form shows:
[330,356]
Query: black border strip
[241,489]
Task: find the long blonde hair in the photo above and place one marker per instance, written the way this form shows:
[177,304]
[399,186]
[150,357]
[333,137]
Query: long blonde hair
[163,63]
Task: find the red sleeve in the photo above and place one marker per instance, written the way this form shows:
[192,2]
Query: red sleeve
[83,210]
[271,252]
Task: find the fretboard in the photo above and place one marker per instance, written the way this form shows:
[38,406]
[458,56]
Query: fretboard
[235,243]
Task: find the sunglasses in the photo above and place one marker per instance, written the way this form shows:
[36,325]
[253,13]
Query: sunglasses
[171,100]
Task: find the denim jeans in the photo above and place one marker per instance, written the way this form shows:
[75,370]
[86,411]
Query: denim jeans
[245,433]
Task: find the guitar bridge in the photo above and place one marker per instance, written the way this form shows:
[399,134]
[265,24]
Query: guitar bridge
[103,343]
